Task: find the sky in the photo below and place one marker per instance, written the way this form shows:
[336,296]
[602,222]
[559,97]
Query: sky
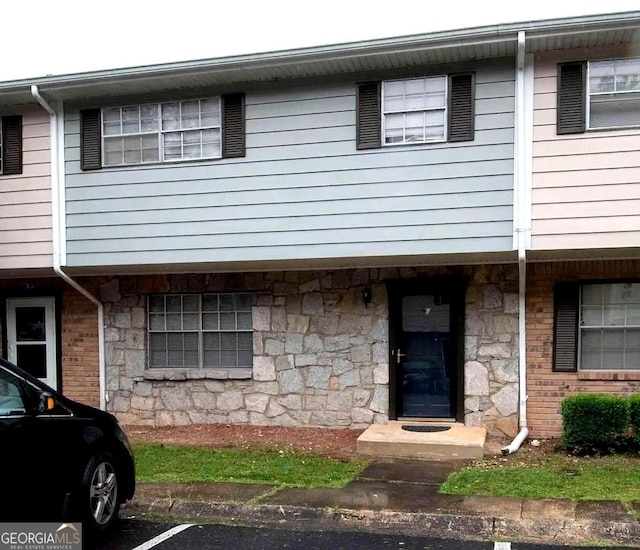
[68,36]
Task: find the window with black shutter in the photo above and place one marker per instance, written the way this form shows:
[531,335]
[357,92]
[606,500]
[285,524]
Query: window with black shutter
[174,131]
[596,326]
[461,107]
[233,131]
[368,115]
[565,327]
[415,110]
[11,145]
[90,139]
[571,98]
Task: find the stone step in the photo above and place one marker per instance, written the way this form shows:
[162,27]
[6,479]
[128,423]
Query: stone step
[456,442]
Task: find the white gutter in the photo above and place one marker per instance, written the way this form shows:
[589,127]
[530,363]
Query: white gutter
[58,212]
[522,193]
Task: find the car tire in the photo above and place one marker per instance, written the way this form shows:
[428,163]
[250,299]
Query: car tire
[98,501]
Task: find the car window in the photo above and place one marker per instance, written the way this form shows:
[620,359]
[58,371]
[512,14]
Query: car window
[11,402]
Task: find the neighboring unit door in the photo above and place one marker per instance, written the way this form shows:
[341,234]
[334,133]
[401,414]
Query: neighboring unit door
[31,337]
[426,326]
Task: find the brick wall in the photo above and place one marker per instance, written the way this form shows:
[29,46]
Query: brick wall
[80,365]
[546,388]
[79,335]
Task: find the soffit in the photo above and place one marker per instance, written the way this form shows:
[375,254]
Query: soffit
[358,59]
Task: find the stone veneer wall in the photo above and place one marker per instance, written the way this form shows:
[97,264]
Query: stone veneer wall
[320,355]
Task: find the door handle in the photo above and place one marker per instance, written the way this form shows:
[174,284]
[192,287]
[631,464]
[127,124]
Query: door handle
[399,354]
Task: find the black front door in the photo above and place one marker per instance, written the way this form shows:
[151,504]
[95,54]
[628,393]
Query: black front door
[426,348]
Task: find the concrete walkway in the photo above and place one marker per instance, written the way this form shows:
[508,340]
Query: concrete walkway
[396,495]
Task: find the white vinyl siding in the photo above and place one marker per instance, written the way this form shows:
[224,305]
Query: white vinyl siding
[614,93]
[179,130]
[610,326]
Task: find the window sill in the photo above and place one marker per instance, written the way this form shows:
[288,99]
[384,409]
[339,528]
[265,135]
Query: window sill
[198,374]
[615,376]
[158,163]
[413,143]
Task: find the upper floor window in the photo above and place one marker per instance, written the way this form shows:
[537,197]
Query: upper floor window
[201,330]
[192,129]
[614,93]
[179,130]
[598,95]
[414,110]
[11,145]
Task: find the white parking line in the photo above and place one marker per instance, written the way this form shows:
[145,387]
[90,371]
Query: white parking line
[163,536]
[501,546]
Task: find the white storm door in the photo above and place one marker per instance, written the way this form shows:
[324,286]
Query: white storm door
[31,337]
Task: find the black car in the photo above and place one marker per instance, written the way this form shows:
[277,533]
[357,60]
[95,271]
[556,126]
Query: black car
[59,460]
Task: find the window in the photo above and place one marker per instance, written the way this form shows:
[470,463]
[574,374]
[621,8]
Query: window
[598,95]
[610,326]
[414,110]
[596,326]
[614,93]
[200,331]
[194,129]
[410,111]
[10,145]
[180,130]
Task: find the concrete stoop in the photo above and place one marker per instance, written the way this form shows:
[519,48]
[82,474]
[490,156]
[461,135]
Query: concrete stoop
[456,442]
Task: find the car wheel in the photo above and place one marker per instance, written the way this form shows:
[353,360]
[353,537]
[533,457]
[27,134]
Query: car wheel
[99,500]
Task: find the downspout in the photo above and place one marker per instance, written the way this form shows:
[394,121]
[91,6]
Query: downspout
[521,194]
[58,209]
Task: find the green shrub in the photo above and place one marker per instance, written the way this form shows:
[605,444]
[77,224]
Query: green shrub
[595,423]
[634,413]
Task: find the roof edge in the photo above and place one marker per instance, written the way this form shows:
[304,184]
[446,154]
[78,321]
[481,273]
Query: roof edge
[448,38]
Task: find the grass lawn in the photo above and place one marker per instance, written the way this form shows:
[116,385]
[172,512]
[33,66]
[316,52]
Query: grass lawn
[191,464]
[614,477]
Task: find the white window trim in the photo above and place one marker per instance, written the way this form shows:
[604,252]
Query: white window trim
[589,94]
[445,110]
[50,341]
[159,133]
[613,327]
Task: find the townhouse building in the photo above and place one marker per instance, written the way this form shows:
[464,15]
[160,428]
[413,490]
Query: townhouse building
[428,228]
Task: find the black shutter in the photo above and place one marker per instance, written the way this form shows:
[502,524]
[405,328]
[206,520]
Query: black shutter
[566,297]
[572,90]
[233,132]
[11,145]
[90,139]
[368,116]
[461,107]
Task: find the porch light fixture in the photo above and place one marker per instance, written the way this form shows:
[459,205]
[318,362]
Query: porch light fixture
[366,296]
